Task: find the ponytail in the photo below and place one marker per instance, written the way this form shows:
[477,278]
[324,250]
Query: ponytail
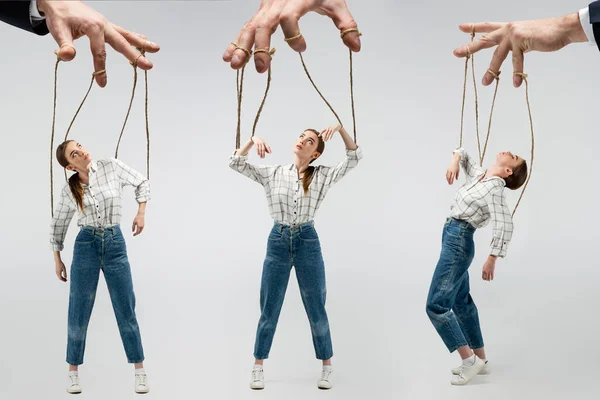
[76,190]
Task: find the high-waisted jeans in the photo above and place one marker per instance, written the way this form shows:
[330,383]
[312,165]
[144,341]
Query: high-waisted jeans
[101,249]
[299,247]
[450,306]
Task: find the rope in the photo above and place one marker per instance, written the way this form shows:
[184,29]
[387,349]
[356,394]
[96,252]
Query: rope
[487,137]
[240,88]
[134,64]
[524,76]
[96,73]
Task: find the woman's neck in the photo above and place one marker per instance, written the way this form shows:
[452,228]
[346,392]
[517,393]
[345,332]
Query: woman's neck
[301,165]
[493,171]
[84,176]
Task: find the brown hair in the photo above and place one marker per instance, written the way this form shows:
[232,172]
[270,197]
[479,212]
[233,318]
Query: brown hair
[518,177]
[309,172]
[74,183]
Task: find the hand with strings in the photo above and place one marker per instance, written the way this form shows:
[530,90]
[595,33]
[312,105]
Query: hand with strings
[258,31]
[521,37]
[454,169]
[70,20]
[487,273]
[61,270]
[327,133]
[262,148]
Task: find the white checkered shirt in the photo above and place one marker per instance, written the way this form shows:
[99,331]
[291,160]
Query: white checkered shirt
[285,194]
[478,201]
[101,199]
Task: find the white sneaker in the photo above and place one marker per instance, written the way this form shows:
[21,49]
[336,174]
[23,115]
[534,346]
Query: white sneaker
[74,386]
[258,379]
[325,381]
[484,371]
[141,384]
[468,372]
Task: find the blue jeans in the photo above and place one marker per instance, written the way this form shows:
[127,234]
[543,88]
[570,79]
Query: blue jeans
[299,247]
[101,249]
[450,307]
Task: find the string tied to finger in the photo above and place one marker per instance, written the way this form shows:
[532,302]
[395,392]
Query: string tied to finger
[347,31]
[295,37]
[245,50]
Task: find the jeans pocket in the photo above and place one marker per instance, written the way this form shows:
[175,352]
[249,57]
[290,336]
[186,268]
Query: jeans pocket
[85,237]
[275,235]
[118,237]
[308,235]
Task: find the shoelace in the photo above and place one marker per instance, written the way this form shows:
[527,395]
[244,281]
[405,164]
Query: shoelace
[325,374]
[74,379]
[257,375]
[140,379]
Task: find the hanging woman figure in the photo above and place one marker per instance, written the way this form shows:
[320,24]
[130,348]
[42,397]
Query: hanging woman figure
[480,200]
[95,192]
[295,193]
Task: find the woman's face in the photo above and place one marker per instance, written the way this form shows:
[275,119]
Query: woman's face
[77,156]
[306,145]
[508,161]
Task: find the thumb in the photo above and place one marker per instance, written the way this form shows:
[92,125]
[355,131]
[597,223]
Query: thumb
[342,18]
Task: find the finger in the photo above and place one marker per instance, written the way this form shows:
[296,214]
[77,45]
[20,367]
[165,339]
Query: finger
[137,40]
[266,26]
[492,275]
[245,39]
[342,18]
[98,47]
[133,226]
[480,27]
[289,21]
[448,178]
[518,60]
[64,38]
[484,42]
[118,42]
[500,55]
[268,149]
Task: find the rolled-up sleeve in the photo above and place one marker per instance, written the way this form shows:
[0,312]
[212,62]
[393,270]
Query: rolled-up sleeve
[128,176]
[258,173]
[337,172]
[472,169]
[502,222]
[63,214]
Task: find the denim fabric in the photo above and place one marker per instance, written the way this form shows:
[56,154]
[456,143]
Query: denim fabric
[296,246]
[101,249]
[450,307]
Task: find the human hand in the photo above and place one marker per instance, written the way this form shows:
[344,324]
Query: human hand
[487,274]
[138,224]
[453,170]
[261,147]
[521,37]
[327,133]
[61,270]
[258,30]
[70,20]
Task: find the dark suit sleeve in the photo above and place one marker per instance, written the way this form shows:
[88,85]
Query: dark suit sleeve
[595,20]
[16,13]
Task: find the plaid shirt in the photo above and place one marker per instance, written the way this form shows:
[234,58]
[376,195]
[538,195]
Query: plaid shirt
[288,204]
[101,199]
[480,200]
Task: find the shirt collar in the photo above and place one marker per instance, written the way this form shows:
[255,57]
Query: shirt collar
[94,166]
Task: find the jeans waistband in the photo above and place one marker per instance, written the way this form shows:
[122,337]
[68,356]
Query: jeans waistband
[297,227]
[462,223]
[96,230]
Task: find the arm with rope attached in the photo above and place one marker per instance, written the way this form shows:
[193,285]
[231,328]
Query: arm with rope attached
[258,173]
[353,156]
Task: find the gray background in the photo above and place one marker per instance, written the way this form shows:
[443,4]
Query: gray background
[197,265]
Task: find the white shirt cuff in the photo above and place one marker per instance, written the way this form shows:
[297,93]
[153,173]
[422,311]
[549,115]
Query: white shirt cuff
[584,18]
[34,14]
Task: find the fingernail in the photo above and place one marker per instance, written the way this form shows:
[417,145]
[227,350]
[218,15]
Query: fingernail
[236,59]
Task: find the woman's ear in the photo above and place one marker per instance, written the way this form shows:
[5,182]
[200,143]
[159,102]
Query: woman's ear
[70,167]
[508,171]
[315,155]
